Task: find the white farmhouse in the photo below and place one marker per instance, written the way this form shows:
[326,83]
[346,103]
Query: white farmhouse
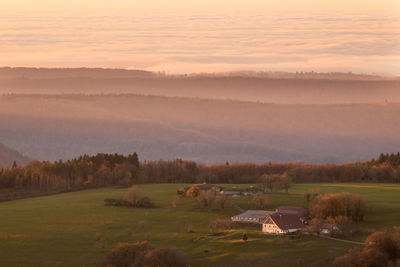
[282,223]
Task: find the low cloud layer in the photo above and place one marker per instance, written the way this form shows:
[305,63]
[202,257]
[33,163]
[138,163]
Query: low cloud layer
[204,43]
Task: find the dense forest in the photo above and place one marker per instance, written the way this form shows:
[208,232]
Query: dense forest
[115,169]
[53,127]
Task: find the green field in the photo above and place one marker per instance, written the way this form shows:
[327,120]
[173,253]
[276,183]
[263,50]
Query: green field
[61,230]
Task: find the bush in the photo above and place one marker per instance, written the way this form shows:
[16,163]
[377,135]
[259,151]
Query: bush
[193,191]
[142,224]
[176,203]
[142,254]
[145,202]
[222,224]
[190,229]
[117,202]
[181,191]
[126,255]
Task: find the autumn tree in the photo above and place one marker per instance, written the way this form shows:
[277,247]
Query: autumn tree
[142,254]
[312,193]
[193,191]
[352,206]
[381,249]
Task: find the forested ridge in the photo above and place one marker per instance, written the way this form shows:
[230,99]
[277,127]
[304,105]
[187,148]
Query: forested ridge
[115,169]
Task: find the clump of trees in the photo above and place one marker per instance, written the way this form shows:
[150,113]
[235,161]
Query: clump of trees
[393,159]
[143,254]
[381,249]
[131,199]
[342,223]
[345,204]
[83,172]
[275,182]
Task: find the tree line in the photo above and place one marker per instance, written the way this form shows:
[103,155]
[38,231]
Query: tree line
[115,169]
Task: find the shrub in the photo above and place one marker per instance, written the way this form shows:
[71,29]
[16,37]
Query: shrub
[190,229]
[176,203]
[181,191]
[126,255]
[142,224]
[145,202]
[98,236]
[222,224]
[193,191]
[142,254]
[117,202]
[167,257]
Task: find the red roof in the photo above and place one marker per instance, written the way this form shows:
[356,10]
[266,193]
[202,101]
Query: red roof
[292,210]
[287,221]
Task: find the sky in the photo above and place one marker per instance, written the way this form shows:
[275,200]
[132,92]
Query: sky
[203,36]
[133,6]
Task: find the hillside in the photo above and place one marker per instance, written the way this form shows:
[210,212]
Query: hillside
[62,127]
[86,230]
[8,156]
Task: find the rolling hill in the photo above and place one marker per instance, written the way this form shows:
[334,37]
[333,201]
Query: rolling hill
[52,127]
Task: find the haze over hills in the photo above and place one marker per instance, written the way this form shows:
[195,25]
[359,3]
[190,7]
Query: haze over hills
[8,156]
[52,127]
[283,88]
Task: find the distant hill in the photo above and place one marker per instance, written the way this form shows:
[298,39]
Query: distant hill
[8,156]
[279,88]
[53,127]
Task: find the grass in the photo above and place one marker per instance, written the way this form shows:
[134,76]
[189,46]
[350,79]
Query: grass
[76,229]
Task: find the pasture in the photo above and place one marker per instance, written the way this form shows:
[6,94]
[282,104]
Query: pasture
[77,229]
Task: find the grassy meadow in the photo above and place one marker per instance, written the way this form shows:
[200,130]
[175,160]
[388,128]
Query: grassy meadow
[76,229]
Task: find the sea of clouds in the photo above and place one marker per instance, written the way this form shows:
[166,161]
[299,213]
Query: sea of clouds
[204,43]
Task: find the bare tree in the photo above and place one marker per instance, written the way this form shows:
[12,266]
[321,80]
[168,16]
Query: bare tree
[206,198]
[268,181]
[132,194]
[223,201]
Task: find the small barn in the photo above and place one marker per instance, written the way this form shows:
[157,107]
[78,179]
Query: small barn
[252,216]
[282,223]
